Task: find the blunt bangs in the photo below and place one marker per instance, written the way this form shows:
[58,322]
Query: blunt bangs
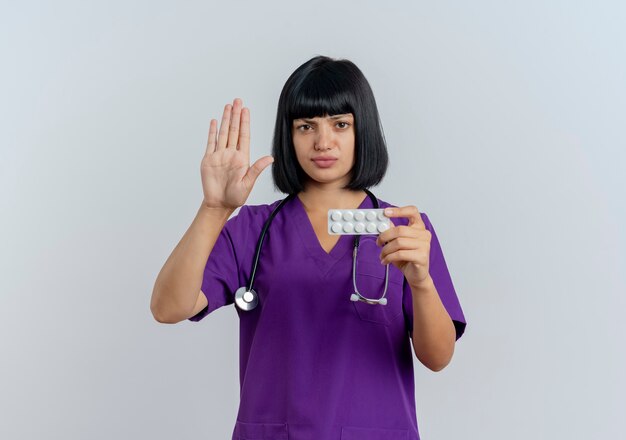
[323,86]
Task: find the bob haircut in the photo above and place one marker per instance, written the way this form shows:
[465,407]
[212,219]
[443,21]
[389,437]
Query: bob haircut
[324,86]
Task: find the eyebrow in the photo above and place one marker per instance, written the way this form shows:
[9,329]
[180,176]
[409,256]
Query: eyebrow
[329,117]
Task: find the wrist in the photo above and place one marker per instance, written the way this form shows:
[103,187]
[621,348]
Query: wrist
[425,286]
[219,213]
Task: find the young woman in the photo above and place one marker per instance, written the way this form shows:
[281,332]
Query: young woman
[316,361]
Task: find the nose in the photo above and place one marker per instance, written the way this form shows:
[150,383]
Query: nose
[324,138]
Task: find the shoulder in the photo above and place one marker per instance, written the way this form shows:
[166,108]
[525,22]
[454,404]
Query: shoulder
[403,220]
[252,214]
[247,220]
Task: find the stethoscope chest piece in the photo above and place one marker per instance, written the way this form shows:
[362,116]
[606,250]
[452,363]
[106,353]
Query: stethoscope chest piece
[246,299]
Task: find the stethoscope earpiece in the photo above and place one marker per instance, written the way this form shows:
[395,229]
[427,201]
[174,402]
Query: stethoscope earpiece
[358,297]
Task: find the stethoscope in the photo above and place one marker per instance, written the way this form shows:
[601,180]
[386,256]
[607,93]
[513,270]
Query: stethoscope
[247,299]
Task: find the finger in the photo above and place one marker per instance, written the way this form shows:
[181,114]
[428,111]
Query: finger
[395,232]
[255,170]
[223,135]
[210,145]
[401,243]
[404,255]
[233,132]
[244,132]
[410,212]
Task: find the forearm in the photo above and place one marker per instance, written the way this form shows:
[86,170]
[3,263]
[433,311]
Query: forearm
[434,334]
[179,282]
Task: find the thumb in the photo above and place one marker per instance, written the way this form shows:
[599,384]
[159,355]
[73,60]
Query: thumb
[255,170]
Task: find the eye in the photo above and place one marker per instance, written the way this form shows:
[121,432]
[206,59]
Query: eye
[303,125]
[347,124]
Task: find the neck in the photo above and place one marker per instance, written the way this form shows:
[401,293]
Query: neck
[321,200]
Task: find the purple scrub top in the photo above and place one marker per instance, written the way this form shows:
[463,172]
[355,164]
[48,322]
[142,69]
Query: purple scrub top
[315,365]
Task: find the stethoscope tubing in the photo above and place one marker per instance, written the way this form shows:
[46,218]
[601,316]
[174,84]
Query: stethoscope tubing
[262,237]
[247,299]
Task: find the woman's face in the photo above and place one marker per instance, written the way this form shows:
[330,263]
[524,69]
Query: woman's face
[328,137]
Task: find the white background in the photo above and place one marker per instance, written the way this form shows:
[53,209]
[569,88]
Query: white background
[504,122]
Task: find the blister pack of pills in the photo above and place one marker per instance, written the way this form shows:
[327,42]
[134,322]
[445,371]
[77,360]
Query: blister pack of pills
[357,221]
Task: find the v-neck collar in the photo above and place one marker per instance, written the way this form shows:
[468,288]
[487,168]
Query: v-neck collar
[303,225]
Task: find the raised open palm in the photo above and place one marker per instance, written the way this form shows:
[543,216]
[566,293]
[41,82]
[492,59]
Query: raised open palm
[227,177]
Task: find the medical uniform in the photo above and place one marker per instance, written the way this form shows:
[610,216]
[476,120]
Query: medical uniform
[313,364]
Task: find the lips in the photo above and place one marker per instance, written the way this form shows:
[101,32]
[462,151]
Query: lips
[324,162]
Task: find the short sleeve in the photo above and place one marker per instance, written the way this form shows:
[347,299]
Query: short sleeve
[443,282]
[221,273]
